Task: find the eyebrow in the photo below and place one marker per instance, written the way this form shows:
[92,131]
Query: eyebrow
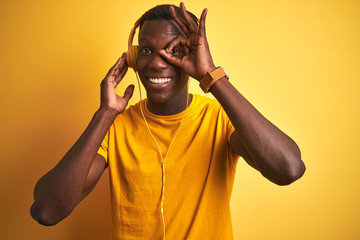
[151,39]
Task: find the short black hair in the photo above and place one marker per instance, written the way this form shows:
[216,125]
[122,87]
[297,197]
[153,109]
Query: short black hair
[161,12]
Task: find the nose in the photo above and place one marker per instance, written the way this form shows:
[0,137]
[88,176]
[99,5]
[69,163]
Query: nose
[158,62]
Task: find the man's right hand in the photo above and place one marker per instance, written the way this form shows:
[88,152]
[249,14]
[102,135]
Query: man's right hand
[109,99]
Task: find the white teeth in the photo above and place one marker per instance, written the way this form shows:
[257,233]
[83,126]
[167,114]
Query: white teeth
[159,80]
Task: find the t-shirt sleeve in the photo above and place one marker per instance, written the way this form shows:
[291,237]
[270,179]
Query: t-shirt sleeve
[229,126]
[103,149]
[230,129]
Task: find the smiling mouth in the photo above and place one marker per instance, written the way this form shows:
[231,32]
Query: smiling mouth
[159,80]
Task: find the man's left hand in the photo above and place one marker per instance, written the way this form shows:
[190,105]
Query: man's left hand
[198,61]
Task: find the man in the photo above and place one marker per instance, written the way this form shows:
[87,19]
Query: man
[171,157]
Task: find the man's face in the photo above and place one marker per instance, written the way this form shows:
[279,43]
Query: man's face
[161,80]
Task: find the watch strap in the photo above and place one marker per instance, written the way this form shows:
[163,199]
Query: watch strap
[211,77]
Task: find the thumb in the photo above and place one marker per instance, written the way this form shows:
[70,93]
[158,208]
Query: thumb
[129,92]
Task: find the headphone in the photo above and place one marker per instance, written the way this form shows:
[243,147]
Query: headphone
[132,52]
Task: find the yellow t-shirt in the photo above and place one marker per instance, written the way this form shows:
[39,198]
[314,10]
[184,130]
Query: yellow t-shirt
[199,172]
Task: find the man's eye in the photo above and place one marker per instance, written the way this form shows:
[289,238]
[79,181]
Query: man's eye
[145,50]
[175,51]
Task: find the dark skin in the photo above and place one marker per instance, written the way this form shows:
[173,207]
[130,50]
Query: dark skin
[172,50]
[154,37]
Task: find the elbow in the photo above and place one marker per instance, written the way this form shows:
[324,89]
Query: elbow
[43,216]
[293,172]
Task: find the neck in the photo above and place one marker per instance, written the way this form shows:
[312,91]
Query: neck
[175,105]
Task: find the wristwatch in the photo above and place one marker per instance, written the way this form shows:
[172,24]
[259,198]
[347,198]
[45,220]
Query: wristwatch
[211,77]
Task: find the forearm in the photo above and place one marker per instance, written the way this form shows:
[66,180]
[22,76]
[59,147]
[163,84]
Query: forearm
[271,151]
[60,190]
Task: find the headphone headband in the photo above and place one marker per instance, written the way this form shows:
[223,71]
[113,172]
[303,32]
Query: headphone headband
[132,49]
[132,32]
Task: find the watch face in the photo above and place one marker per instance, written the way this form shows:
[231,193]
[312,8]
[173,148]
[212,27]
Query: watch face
[211,77]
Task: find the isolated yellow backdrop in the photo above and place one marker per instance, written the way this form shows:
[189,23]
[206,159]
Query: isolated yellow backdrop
[298,62]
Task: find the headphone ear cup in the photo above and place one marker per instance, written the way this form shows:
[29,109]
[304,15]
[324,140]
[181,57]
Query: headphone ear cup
[131,57]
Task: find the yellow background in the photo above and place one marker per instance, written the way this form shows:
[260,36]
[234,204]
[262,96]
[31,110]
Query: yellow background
[298,62]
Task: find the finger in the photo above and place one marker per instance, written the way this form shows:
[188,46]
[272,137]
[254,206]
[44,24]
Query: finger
[170,58]
[202,23]
[119,63]
[114,68]
[178,21]
[119,68]
[190,22]
[121,74]
[129,92]
[179,41]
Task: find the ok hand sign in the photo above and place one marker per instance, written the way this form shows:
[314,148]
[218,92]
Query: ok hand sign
[198,61]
